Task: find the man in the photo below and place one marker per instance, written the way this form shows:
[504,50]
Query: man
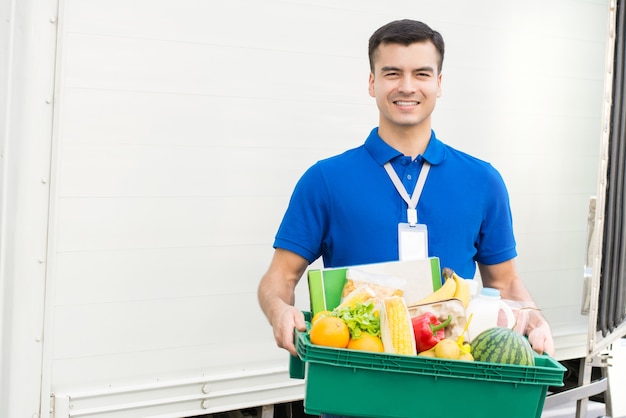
[349,209]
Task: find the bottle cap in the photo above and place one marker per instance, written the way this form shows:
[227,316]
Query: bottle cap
[490,292]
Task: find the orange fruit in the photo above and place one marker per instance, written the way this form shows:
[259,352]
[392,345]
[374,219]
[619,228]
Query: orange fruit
[330,331]
[319,315]
[366,342]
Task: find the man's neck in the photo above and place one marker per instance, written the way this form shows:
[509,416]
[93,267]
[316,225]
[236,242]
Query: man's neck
[410,142]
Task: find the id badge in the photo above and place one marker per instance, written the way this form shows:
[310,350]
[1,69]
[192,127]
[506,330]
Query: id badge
[412,241]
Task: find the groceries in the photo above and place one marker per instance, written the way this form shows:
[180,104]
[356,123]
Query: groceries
[411,279]
[454,287]
[504,346]
[330,331]
[447,340]
[354,325]
[486,309]
[395,327]
[445,292]
[462,291]
[375,317]
[428,330]
[366,384]
[500,380]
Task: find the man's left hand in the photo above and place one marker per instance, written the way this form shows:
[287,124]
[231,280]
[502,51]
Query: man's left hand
[541,340]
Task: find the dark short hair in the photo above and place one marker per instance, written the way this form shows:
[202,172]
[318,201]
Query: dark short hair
[405,32]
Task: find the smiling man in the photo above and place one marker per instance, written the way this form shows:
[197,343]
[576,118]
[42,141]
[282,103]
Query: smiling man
[405,80]
[349,209]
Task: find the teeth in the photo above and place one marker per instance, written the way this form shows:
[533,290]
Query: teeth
[402,103]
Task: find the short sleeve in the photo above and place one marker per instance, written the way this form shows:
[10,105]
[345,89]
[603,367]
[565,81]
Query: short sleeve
[305,223]
[496,242]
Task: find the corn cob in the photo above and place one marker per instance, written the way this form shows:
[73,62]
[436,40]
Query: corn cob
[358,295]
[395,327]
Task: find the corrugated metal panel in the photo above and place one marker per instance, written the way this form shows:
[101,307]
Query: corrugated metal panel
[612,296]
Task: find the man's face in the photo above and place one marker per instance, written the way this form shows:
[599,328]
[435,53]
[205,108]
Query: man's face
[405,83]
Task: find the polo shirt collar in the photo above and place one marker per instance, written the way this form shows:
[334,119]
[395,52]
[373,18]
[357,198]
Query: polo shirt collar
[383,152]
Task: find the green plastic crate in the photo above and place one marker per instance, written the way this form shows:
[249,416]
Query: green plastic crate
[362,384]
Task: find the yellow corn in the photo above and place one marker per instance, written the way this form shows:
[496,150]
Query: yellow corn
[395,327]
[358,295]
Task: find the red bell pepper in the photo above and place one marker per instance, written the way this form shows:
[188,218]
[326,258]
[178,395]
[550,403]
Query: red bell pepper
[428,330]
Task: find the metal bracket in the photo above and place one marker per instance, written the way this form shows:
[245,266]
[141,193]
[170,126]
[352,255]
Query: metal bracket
[574,394]
[600,360]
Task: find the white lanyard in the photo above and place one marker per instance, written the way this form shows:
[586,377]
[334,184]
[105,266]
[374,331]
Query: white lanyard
[411,211]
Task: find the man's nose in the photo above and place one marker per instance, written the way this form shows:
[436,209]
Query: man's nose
[407,85]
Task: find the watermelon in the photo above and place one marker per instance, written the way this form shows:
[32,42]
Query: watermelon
[502,345]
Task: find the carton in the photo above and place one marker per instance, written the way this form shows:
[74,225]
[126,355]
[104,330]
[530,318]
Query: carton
[421,278]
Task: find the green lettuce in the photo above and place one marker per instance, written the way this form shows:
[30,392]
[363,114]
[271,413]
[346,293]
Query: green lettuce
[364,317]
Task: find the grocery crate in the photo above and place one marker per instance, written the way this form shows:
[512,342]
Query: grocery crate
[365,384]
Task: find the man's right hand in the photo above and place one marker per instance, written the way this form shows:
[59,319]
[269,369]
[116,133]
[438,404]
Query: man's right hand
[284,323]
[277,297]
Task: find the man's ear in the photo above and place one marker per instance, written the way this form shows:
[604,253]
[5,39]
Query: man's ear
[439,77]
[370,87]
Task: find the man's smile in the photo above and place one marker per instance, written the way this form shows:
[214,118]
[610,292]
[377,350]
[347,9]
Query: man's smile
[406,103]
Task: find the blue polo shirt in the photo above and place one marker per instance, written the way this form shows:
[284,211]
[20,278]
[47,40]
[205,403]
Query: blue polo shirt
[346,208]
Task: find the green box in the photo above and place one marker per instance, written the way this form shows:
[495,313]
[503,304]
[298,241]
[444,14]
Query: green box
[362,384]
[326,285]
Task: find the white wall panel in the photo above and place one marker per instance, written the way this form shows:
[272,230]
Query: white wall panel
[155,273]
[104,371]
[157,324]
[200,171]
[101,62]
[137,223]
[143,118]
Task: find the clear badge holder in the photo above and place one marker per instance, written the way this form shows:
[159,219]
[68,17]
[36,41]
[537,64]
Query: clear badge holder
[412,241]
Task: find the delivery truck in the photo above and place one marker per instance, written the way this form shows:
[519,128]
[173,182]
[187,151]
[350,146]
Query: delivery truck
[149,148]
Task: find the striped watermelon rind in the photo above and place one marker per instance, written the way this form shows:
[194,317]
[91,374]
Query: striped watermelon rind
[502,345]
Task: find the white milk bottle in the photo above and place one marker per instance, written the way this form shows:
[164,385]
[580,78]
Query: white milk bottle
[485,309]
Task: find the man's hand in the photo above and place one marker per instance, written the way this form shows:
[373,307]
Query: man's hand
[284,323]
[503,276]
[541,340]
[277,298]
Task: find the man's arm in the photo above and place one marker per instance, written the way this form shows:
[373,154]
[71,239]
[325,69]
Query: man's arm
[276,296]
[503,276]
